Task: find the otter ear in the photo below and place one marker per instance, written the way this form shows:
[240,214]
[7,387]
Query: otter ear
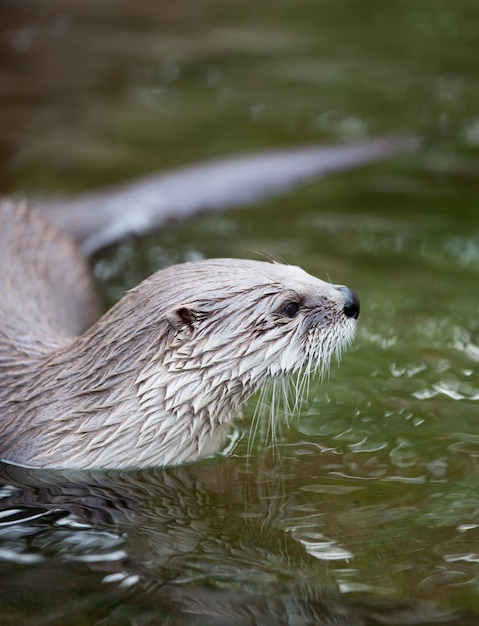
[182,321]
[182,317]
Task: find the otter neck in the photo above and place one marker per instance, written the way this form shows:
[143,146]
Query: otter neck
[100,397]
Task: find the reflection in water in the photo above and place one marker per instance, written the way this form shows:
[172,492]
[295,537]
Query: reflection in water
[183,538]
[204,543]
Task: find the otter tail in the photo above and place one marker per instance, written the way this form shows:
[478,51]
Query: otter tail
[102,217]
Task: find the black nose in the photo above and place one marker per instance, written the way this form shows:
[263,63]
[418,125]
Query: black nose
[351,302]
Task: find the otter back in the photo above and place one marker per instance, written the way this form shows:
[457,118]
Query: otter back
[45,285]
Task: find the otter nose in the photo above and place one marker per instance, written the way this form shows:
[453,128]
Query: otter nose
[351,302]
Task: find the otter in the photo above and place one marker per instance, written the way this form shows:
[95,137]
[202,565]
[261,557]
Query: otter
[157,380]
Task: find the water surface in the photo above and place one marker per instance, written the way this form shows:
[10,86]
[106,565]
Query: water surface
[365,509]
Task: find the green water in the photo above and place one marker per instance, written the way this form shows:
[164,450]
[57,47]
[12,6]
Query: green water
[366,510]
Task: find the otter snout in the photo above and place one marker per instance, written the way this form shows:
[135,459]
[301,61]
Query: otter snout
[351,301]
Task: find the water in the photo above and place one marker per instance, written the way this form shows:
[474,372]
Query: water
[365,511]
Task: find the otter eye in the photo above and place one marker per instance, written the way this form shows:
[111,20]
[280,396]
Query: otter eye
[291,309]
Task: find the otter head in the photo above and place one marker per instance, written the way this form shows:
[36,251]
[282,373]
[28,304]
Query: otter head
[233,325]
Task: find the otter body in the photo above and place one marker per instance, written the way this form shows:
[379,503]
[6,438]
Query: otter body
[157,379]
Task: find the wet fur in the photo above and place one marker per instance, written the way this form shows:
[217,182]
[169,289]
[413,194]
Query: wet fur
[158,379]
